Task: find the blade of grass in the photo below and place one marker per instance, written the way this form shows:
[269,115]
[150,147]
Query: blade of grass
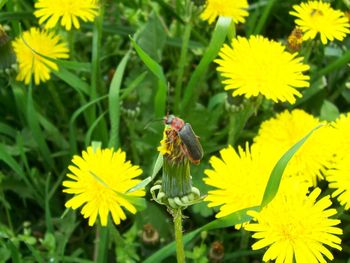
[33,123]
[91,129]
[181,66]
[133,85]
[72,80]
[277,172]
[48,217]
[114,102]
[218,38]
[76,114]
[262,21]
[157,70]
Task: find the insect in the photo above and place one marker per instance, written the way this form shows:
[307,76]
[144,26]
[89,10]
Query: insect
[193,149]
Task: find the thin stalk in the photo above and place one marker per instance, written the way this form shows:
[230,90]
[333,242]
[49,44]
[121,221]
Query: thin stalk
[180,252]
[101,244]
[244,244]
[232,130]
[182,64]
[262,21]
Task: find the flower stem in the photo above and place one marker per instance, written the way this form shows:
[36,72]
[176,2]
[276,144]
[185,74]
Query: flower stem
[101,244]
[180,252]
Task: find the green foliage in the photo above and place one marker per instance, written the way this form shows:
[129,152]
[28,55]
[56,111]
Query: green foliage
[138,61]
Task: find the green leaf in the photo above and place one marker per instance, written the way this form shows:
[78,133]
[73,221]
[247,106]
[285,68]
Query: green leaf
[151,38]
[329,111]
[218,38]
[92,128]
[72,80]
[156,168]
[157,70]
[277,172]
[114,101]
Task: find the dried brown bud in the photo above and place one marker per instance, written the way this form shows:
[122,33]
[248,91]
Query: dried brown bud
[295,40]
[216,252]
[3,36]
[150,236]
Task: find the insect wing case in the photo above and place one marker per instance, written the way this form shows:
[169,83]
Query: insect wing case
[190,140]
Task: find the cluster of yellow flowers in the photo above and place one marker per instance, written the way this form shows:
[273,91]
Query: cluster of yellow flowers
[294,223]
[295,226]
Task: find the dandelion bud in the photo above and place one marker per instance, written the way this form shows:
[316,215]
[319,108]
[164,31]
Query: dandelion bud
[216,252]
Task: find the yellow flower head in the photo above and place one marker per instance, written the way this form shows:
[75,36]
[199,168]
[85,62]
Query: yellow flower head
[296,225]
[339,174]
[260,66]
[99,181]
[50,11]
[240,178]
[278,134]
[237,10]
[30,46]
[317,17]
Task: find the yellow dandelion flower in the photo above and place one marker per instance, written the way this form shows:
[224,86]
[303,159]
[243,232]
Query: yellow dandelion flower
[338,175]
[237,10]
[317,17]
[165,146]
[260,66]
[341,136]
[296,227]
[99,181]
[339,179]
[240,178]
[278,134]
[28,49]
[51,11]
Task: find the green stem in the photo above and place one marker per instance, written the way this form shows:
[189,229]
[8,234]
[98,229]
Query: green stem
[101,244]
[232,130]
[180,252]
[182,63]
[244,244]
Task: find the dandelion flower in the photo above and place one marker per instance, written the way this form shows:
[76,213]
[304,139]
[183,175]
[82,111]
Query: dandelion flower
[339,173]
[278,134]
[99,181]
[260,66]
[29,48]
[237,10]
[50,11]
[296,226]
[317,17]
[240,178]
